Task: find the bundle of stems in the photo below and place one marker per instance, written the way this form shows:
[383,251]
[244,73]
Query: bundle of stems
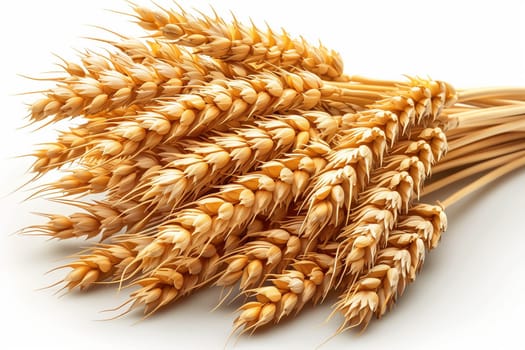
[229,155]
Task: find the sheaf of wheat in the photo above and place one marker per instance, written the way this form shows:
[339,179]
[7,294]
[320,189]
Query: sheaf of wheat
[224,154]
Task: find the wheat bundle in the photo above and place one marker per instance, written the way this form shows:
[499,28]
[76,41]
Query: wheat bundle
[233,156]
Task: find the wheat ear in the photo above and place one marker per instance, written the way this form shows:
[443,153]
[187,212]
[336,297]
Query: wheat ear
[172,281]
[218,102]
[304,281]
[102,84]
[100,263]
[238,43]
[117,177]
[397,264]
[390,192]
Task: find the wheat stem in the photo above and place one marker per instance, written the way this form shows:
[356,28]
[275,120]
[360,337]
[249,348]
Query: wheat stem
[517,162]
[472,170]
[509,92]
[478,156]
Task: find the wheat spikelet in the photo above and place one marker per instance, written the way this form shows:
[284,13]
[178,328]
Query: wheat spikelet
[80,224]
[74,225]
[88,142]
[104,140]
[86,94]
[116,261]
[237,43]
[69,146]
[250,263]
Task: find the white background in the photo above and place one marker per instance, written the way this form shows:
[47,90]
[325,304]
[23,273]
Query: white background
[470,292]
